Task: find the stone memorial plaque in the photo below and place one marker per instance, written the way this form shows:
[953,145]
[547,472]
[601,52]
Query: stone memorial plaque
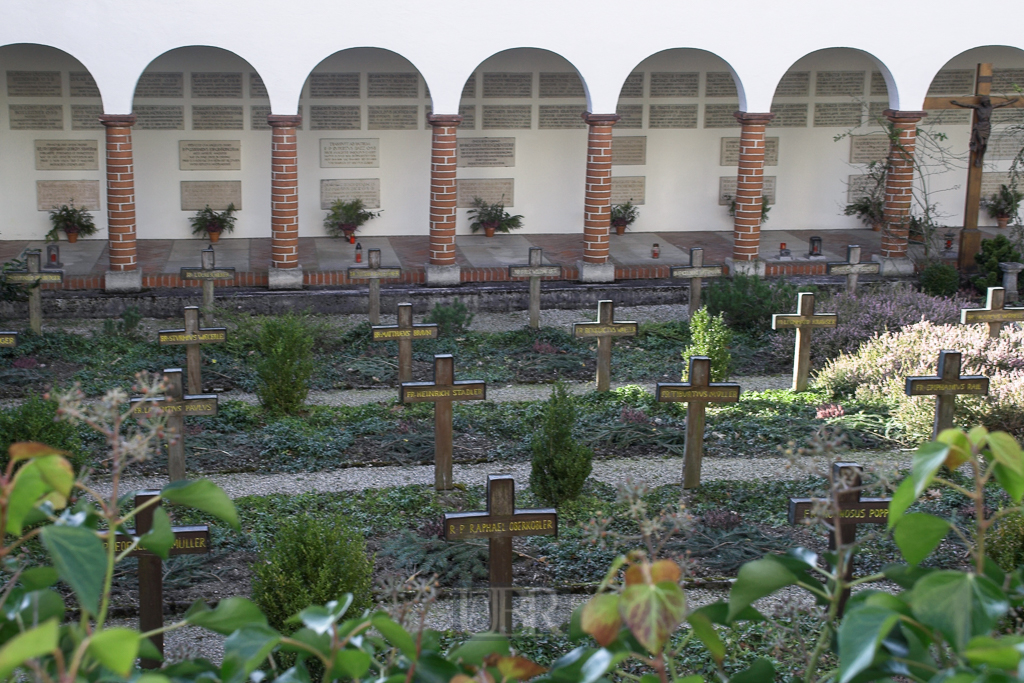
[486,152]
[858,186]
[1004,145]
[730,152]
[196,195]
[629,150]
[209,155]
[876,112]
[629,189]
[634,85]
[392,85]
[51,194]
[561,116]
[258,114]
[672,116]
[159,117]
[350,153]
[468,114]
[334,85]
[878,86]
[727,188]
[367,189]
[949,117]
[720,116]
[674,84]
[67,155]
[789,116]
[34,84]
[86,116]
[507,116]
[1003,81]
[632,116]
[561,84]
[794,84]
[491,190]
[952,82]
[393,117]
[867,148]
[160,85]
[719,84]
[469,89]
[216,84]
[1007,116]
[990,182]
[837,114]
[257,89]
[327,117]
[218,117]
[519,84]
[83,84]
[36,116]
[839,83]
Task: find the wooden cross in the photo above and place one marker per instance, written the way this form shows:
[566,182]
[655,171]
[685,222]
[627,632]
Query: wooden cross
[853,510]
[193,337]
[441,392]
[178,406]
[33,276]
[804,321]
[499,524]
[374,273]
[696,394]
[535,270]
[994,313]
[208,274]
[604,329]
[696,271]
[852,267]
[8,340]
[946,386]
[404,332]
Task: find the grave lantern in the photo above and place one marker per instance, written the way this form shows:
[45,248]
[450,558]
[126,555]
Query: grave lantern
[784,253]
[655,250]
[815,248]
[947,241]
[53,257]
[359,252]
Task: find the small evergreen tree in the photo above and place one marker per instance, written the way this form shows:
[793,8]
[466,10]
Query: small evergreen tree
[709,337]
[285,364]
[560,465]
[993,252]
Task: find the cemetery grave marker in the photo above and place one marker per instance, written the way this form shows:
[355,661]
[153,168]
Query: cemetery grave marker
[207,273]
[852,267]
[374,273]
[994,313]
[33,276]
[946,386]
[696,271]
[604,329]
[696,394]
[404,332]
[441,392]
[535,270]
[193,337]
[499,524]
[804,321]
[177,405]
[8,340]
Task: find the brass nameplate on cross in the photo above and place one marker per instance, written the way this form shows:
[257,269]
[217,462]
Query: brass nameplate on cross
[865,268]
[1002,315]
[387,333]
[534,271]
[188,540]
[977,386]
[819,320]
[470,391]
[374,273]
[671,393]
[8,340]
[462,525]
[190,405]
[701,272]
[864,511]
[213,335]
[202,274]
[25,278]
[604,329]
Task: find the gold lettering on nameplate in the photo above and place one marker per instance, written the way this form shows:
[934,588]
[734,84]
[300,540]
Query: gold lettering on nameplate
[196,338]
[490,527]
[603,330]
[455,393]
[998,316]
[200,274]
[28,278]
[696,394]
[8,340]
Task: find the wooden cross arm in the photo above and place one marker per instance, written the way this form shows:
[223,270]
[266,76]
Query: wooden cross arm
[970,316]
[615,329]
[689,272]
[209,335]
[207,274]
[466,525]
[374,273]
[194,405]
[844,268]
[394,333]
[8,340]
[44,277]
[948,102]
[974,385]
[428,392]
[188,540]
[864,511]
[686,393]
[786,320]
[535,271]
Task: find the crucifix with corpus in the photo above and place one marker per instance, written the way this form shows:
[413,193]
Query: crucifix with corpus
[404,333]
[192,337]
[994,313]
[946,385]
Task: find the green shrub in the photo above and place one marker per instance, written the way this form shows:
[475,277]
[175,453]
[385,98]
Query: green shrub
[993,252]
[451,320]
[36,420]
[940,279]
[748,302]
[285,365]
[709,337]
[1006,542]
[560,465]
[127,326]
[455,564]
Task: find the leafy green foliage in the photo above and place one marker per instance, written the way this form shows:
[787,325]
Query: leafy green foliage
[748,302]
[207,220]
[1003,204]
[345,217]
[993,252]
[285,365]
[70,220]
[710,337]
[940,279]
[560,464]
[1007,542]
[127,327]
[456,564]
[36,420]
[453,320]
[624,214]
[486,215]
[869,207]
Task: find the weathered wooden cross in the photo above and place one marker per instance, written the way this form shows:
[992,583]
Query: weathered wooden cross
[33,276]
[404,333]
[207,273]
[696,394]
[374,273]
[499,524]
[178,406]
[852,267]
[696,271]
[8,340]
[441,392]
[605,329]
[804,321]
[946,386]
[994,312]
[193,337]
[535,270]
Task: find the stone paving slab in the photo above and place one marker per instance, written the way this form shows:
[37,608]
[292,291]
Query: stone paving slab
[481,251]
[634,249]
[79,258]
[338,254]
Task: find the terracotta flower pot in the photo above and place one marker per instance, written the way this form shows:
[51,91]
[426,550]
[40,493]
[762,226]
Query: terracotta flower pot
[620,228]
[214,236]
[489,230]
[72,237]
[877,226]
[1002,222]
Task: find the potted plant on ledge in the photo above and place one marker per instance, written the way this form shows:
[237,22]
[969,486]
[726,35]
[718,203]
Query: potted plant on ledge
[344,218]
[73,221]
[623,216]
[1003,205]
[869,207]
[492,217]
[212,222]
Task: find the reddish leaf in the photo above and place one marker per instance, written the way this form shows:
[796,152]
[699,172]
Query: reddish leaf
[635,575]
[518,668]
[600,618]
[653,612]
[25,450]
[665,570]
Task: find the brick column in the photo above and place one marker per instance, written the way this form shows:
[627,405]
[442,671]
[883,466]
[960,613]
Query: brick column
[899,187]
[746,247]
[597,204]
[442,269]
[124,274]
[285,271]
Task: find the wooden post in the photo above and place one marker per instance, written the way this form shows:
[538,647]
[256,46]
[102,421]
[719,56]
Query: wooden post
[804,321]
[994,314]
[192,337]
[34,277]
[605,329]
[946,386]
[535,270]
[207,273]
[852,267]
[696,272]
[404,332]
[374,273]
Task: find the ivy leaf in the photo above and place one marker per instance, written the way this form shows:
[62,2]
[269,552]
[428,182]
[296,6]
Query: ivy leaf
[203,495]
[959,605]
[27,450]
[994,653]
[395,634]
[28,645]
[760,671]
[902,498]
[474,650]
[160,537]
[705,631]
[600,618]
[115,648]
[351,663]
[959,447]
[652,613]
[755,580]
[928,458]
[231,614]
[918,534]
[81,561]
[516,668]
[1006,451]
[861,633]
[246,649]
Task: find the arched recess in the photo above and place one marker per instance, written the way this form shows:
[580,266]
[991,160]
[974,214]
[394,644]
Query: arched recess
[523,138]
[201,137]
[365,135]
[52,144]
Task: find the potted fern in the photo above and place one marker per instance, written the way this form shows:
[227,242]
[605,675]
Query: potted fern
[72,220]
[212,222]
[1003,205]
[869,207]
[344,218]
[623,216]
[492,217]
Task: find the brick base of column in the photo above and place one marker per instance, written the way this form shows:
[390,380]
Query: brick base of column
[284,278]
[596,272]
[757,268]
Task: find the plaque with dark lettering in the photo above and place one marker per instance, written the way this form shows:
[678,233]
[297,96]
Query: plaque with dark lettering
[727,189]
[867,148]
[334,85]
[561,116]
[561,84]
[208,335]
[86,116]
[782,321]
[672,116]
[374,273]
[950,117]
[46,277]
[393,117]
[730,152]
[838,83]
[349,152]
[862,268]
[629,189]
[511,85]
[980,315]
[486,152]
[720,115]
[258,114]
[629,150]
[837,114]
[218,194]
[216,84]
[51,194]
[160,117]
[218,117]
[878,86]
[209,155]
[428,392]
[936,386]
[83,84]
[634,85]
[34,84]
[392,85]
[507,116]
[207,274]
[876,112]
[8,340]
[699,271]
[329,117]
[469,89]
[1007,80]
[491,190]
[632,116]
[468,114]
[366,189]
[199,405]
[719,84]
[789,116]
[36,116]
[675,84]
[677,394]
[952,82]
[257,89]
[794,84]
[991,182]
[67,155]
[459,526]
[160,85]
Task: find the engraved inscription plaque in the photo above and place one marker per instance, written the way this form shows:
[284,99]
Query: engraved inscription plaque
[629,150]
[486,152]
[789,116]
[719,84]
[876,112]
[1004,145]
[673,84]
[51,194]
[561,84]
[837,83]
[86,116]
[468,114]
[730,152]
[1008,115]
[878,86]
[561,116]
[634,85]
[339,85]
[990,182]
[727,189]
[209,155]
[1006,80]
[837,114]
[393,85]
[629,189]
[794,84]
[159,117]
[217,194]
[393,117]
[258,114]
[257,89]
[720,116]
[34,84]
[507,116]
[218,117]
[326,117]
[632,116]
[858,186]
[82,84]
[672,116]
[367,189]
[950,117]
[67,155]
[952,82]
[508,84]
[469,89]
[160,85]
[350,153]
[36,116]
[216,84]
[491,190]
[867,148]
